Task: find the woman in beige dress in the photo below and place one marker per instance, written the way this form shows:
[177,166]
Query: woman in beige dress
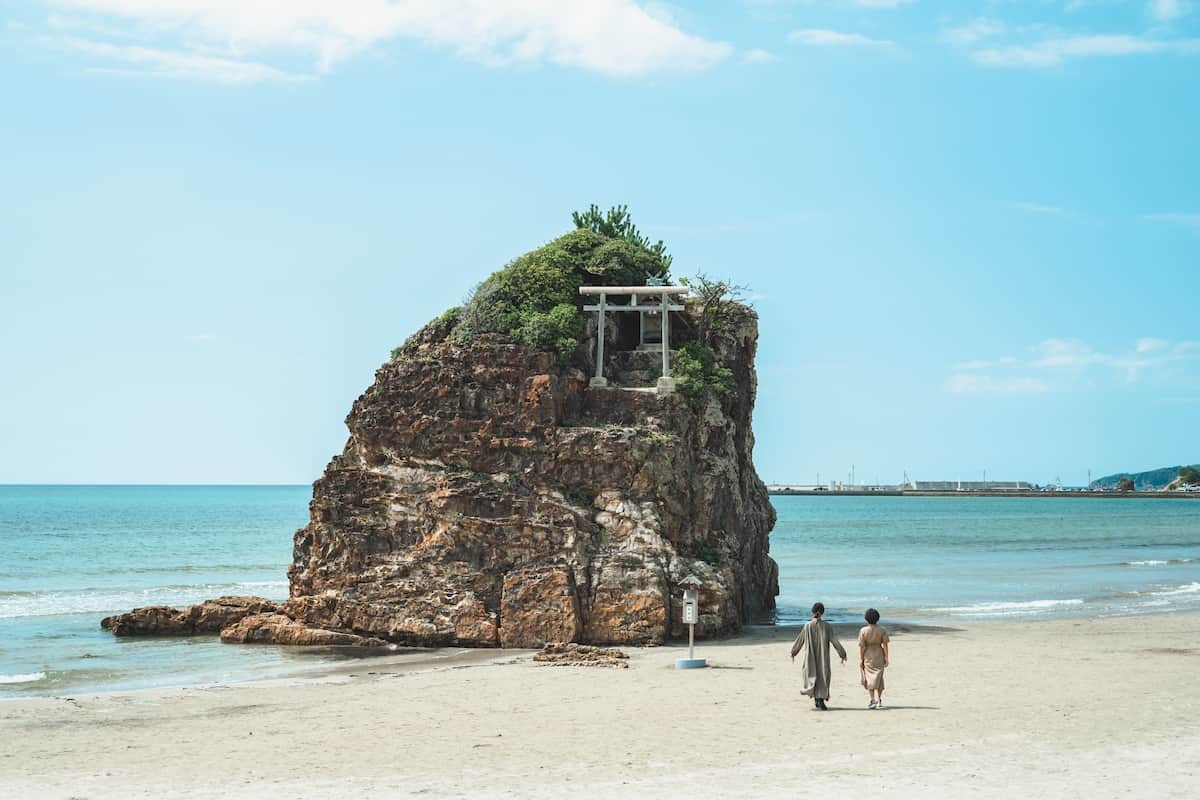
[873,657]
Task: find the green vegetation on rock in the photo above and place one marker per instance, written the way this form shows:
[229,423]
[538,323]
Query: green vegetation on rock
[1189,475]
[696,374]
[722,304]
[557,329]
[617,224]
[535,299]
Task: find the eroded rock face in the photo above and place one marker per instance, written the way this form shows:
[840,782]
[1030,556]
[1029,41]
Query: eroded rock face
[206,618]
[488,497]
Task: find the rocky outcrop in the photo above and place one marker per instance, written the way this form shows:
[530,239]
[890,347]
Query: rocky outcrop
[208,617]
[488,497]
[279,629]
[568,654]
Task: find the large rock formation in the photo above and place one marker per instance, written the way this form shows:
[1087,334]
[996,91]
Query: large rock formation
[488,497]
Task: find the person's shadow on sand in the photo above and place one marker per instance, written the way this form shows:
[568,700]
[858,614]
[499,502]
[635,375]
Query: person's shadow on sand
[885,708]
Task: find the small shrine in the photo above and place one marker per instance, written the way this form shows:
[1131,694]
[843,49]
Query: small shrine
[654,306]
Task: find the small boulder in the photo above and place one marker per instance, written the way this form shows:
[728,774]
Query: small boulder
[569,654]
[147,621]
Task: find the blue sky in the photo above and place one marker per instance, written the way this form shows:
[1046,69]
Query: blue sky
[972,228]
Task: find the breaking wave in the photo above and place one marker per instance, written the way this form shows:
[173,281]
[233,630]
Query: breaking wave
[1009,609]
[27,677]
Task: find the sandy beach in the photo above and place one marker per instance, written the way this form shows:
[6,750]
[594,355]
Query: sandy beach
[1019,709]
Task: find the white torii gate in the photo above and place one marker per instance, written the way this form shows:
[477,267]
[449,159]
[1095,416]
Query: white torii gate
[666,384]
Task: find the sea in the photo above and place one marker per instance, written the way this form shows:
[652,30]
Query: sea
[70,555]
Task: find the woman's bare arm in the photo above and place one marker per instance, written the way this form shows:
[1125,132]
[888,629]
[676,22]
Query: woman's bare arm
[887,661]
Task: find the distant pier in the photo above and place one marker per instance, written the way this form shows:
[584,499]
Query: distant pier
[895,491]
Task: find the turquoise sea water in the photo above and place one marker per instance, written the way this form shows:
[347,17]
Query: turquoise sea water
[942,559]
[70,555]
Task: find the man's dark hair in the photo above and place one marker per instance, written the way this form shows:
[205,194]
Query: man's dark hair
[818,608]
[872,616]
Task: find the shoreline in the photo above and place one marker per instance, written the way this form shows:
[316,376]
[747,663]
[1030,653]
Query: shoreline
[329,663]
[989,709]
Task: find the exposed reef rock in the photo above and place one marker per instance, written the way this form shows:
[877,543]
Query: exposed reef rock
[488,497]
[581,655]
[209,617]
[279,629]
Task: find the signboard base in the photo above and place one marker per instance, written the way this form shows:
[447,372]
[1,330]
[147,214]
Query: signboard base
[690,663]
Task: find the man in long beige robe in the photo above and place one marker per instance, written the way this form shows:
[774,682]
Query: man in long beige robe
[815,639]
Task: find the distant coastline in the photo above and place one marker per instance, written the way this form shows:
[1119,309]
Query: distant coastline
[808,491]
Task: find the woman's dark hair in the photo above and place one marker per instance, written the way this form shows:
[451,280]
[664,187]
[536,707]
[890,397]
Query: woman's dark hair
[872,616]
[818,608]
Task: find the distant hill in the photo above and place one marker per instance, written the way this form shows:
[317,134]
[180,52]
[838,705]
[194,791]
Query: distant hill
[1142,481]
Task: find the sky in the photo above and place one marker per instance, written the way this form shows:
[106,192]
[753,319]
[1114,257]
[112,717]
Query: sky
[971,229]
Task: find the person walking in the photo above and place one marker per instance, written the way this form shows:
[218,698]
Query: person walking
[815,639]
[873,657]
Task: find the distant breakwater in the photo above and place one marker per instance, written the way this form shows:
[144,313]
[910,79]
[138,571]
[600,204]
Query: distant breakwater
[785,491]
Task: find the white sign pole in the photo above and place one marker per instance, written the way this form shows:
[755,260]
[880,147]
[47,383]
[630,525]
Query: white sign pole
[691,615]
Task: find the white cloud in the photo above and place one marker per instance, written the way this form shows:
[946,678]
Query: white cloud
[1056,51]
[1070,353]
[1041,208]
[612,37]
[1191,220]
[757,56]
[1149,344]
[987,384]
[974,31]
[178,64]
[1068,359]
[815,37]
[1167,10]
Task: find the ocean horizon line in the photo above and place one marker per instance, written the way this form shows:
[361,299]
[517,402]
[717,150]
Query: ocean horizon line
[153,485]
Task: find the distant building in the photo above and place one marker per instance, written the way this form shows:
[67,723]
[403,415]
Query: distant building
[969,486]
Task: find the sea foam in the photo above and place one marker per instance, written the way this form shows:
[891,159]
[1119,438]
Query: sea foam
[27,677]
[1187,588]
[1009,609]
[101,601]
